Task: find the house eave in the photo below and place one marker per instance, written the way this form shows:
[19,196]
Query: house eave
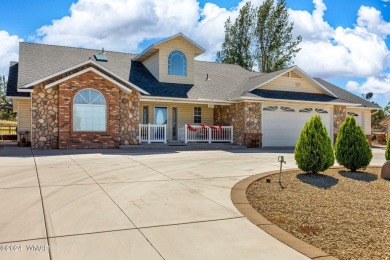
[308,77]
[121,86]
[185,100]
[88,62]
[297,101]
[152,49]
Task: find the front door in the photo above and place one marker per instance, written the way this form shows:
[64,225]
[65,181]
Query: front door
[160,115]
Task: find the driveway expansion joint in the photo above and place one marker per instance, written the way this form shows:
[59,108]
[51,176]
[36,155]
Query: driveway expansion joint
[42,203]
[116,205]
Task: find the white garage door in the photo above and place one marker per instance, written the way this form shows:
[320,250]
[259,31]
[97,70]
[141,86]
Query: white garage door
[283,124]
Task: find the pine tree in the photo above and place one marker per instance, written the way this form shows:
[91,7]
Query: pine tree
[275,45]
[352,148]
[6,108]
[236,48]
[260,36]
[313,151]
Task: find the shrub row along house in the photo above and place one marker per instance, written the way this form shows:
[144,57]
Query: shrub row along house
[81,98]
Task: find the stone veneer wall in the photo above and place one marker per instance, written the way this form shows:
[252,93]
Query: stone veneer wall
[44,117]
[109,139]
[339,115]
[129,118]
[246,120]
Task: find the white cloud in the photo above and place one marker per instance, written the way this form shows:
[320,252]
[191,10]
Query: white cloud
[378,85]
[123,24]
[341,52]
[9,49]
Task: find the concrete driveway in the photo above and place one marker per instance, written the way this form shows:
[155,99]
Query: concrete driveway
[110,204]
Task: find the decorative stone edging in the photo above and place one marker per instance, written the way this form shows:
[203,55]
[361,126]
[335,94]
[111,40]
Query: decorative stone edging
[240,201]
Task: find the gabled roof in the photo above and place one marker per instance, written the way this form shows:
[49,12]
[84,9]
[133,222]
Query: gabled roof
[212,81]
[13,81]
[152,49]
[37,61]
[261,80]
[346,95]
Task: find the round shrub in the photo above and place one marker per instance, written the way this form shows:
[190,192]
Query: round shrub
[352,148]
[313,151]
[387,153]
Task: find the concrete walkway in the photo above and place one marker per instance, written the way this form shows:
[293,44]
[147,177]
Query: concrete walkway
[111,204]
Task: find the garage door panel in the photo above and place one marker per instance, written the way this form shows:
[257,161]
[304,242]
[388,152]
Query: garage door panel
[281,128]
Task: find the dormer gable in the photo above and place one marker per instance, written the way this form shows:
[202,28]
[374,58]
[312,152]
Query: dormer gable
[172,60]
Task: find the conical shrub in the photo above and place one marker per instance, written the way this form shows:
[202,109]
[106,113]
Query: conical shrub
[313,151]
[352,148]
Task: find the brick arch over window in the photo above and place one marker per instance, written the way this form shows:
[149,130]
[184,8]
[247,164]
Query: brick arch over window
[177,64]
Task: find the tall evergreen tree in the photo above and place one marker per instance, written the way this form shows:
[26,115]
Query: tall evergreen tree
[275,45]
[236,48]
[6,109]
[260,36]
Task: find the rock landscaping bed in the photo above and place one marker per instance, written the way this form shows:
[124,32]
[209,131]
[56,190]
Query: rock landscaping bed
[345,214]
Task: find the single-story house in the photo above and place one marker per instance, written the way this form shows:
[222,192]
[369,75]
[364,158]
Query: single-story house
[69,97]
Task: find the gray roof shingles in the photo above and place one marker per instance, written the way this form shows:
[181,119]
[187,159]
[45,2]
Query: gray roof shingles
[212,81]
[13,82]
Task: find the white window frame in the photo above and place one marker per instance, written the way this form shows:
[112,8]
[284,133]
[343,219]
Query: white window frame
[89,105]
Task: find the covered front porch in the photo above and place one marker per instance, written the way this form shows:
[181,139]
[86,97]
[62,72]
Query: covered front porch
[190,123]
[153,133]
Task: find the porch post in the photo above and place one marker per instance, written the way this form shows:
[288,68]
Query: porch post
[140,129]
[209,130]
[231,134]
[185,134]
[148,133]
[165,133]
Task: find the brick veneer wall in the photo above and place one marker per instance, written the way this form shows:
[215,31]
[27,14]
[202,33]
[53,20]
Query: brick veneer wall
[246,120]
[71,139]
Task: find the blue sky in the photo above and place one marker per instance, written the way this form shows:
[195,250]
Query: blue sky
[359,59]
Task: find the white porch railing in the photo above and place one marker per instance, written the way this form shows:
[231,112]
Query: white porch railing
[152,133]
[210,134]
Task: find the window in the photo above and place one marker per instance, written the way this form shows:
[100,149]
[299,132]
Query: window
[321,111]
[306,110]
[287,109]
[352,114]
[177,64]
[197,115]
[145,115]
[89,111]
[270,108]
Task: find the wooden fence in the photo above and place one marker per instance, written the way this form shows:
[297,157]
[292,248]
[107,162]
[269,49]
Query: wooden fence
[8,132]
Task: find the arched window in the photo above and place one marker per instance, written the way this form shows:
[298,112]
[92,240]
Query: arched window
[89,111]
[177,64]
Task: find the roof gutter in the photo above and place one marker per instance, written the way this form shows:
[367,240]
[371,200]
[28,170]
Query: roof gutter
[186,100]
